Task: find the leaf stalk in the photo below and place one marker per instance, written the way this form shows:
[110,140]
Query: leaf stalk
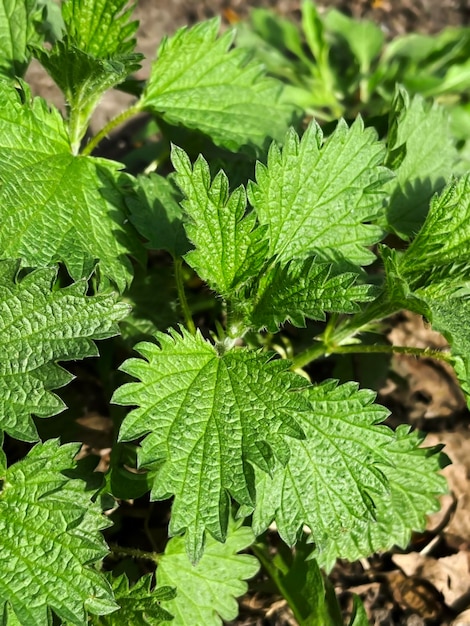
[109,127]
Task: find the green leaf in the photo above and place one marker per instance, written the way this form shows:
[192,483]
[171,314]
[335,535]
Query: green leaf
[301,583]
[439,254]
[197,402]
[207,590]
[50,539]
[19,20]
[40,325]
[316,199]
[359,615]
[303,289]
[364,38]
[422,153]
[139,605]
[196,81]
[229,249]
[157,215]
[55,206]
[101,27]
[359,487]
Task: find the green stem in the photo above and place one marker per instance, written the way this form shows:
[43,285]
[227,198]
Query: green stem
[182,296]
[76,130]
[388,349]
[134,553]
[333,337]
[261,553]
[110,126]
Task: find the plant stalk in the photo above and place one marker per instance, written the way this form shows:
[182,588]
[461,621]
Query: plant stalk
[134,553]
[109,127]
[389,349]
[263,557]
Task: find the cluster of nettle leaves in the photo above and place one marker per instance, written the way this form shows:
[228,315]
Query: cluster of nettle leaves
[227,430]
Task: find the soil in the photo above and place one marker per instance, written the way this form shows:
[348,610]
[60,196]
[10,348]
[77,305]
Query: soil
[429,584]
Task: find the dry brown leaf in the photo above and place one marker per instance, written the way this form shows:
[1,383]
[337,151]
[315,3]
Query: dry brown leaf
[449,575]
[457,448]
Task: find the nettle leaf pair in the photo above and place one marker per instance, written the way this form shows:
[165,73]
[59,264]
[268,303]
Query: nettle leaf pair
[226,429]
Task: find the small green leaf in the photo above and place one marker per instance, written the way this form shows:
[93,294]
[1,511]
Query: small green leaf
[300,290]
[209,589]
[364,38]
[40,325]
[359,487]
[422,153]
[139,605]
[198,82]
[451,317]
[318,199]
[101,27]
[301,583]
[19,21]
[202,434]
[229,248]
[359,615]
[440,251]
[50,538]
[56,206]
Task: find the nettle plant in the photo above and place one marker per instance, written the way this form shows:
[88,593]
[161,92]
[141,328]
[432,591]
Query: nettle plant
[335,65]
[238,436]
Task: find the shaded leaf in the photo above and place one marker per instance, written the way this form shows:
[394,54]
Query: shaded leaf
[157,215]
[422,153]
[139,605]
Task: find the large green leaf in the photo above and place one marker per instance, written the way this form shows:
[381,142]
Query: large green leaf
[207,590]
[40,325]
[50,539]
[198,82]
[422,154]
[358,486]
[229,249]
[55,206]
[319,198]
[207,416]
